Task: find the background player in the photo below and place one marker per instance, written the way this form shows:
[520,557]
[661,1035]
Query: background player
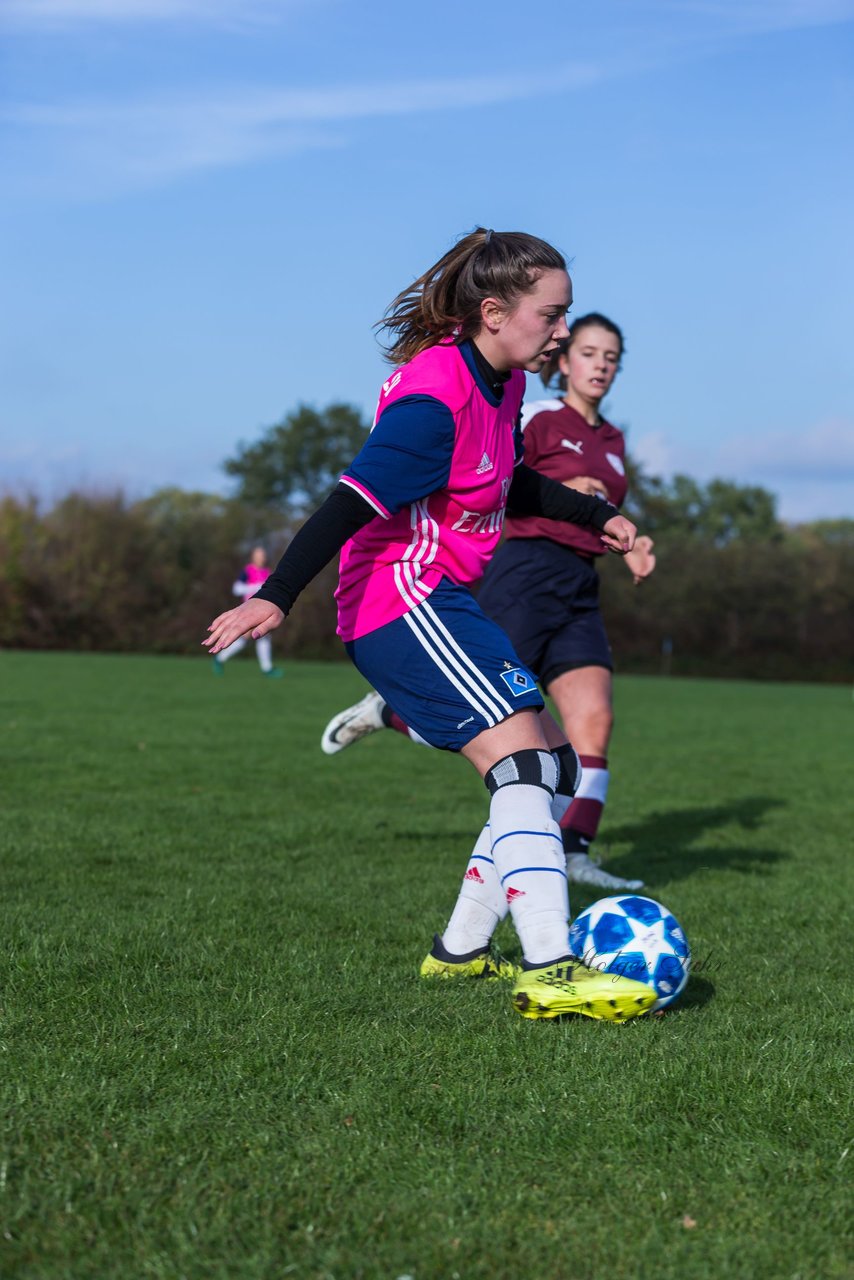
[542,587]
[252,577]
[418,514]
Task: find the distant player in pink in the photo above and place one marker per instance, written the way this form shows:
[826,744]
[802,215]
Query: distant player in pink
[252,578]
[416,518]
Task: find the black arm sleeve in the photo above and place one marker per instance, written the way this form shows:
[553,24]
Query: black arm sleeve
[533,494]
[323,535]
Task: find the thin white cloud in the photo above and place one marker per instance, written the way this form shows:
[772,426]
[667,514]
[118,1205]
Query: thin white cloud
[103,146]
[822,452]
[802,501]
[727,15]
[260,107]
[654,453]
[63,14]
[97,148]
[756,16]
[810,471]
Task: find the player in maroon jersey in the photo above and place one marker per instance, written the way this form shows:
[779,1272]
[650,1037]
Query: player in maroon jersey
[542,586]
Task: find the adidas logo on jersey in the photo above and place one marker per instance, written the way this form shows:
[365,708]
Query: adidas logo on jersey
[483,465]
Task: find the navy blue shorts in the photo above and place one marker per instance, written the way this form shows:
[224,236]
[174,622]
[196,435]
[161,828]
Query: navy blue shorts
[446,669]
[547,600]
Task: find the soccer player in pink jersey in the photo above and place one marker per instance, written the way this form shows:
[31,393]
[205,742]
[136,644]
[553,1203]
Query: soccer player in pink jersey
[542,588]
[416,518]
[252,577]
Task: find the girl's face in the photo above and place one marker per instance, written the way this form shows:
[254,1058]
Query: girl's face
[522,336]
[591,363]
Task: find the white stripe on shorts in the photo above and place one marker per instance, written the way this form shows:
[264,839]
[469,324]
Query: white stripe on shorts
[456,665]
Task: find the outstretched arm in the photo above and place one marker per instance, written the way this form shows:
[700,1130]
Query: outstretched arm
[532,493]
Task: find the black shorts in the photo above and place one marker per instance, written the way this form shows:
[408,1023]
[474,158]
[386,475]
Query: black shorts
[546,598]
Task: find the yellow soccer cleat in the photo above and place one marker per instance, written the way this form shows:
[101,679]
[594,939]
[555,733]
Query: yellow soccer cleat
[569,987]
[484,964]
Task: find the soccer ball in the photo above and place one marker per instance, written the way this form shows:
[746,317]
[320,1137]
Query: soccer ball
[635,937]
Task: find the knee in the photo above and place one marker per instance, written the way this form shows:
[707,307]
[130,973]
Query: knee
[531,767]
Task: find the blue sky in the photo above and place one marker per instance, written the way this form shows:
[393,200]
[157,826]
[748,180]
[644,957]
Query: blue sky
[207,204]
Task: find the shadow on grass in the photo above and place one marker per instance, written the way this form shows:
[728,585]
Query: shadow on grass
[663,844]
[697,993]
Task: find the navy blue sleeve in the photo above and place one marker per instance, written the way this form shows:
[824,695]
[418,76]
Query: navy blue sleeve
[407,455]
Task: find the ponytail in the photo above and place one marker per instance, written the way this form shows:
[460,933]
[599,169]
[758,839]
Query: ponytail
[445,301]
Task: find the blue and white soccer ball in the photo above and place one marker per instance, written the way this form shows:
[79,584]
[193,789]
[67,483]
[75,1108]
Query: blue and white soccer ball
[635,937]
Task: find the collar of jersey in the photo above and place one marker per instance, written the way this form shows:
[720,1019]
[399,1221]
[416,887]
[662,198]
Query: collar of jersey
[490,383]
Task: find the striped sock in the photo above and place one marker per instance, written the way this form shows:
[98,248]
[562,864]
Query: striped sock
[481,903]
[568,778]
[581,820]
[528,853]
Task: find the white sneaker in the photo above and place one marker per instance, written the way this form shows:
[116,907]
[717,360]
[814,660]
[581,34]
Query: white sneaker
[354,723]
[581,869]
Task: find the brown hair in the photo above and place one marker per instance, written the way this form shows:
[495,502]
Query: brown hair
[446,299]
[550,372]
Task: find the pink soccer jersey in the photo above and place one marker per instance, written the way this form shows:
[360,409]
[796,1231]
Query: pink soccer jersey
[256,575]
[437,471]
[252,579]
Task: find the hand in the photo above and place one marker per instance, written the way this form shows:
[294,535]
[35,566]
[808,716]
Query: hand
[640,561]
[619,535]
[255,616]
[587,484]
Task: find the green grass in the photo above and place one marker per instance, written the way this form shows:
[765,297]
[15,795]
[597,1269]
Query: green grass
[216,1059]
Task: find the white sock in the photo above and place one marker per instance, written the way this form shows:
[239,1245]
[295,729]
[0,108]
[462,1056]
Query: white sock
[527,850]
[264,650]
[481,903]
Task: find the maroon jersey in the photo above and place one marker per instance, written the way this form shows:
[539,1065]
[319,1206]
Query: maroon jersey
[559,443]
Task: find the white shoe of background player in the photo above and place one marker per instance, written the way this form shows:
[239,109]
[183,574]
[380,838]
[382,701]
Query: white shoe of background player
[354,723]
[581,869]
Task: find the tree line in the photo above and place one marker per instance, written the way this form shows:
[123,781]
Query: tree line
[736,592]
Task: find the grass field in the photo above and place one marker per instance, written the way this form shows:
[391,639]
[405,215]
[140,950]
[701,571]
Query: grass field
[217,1060]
